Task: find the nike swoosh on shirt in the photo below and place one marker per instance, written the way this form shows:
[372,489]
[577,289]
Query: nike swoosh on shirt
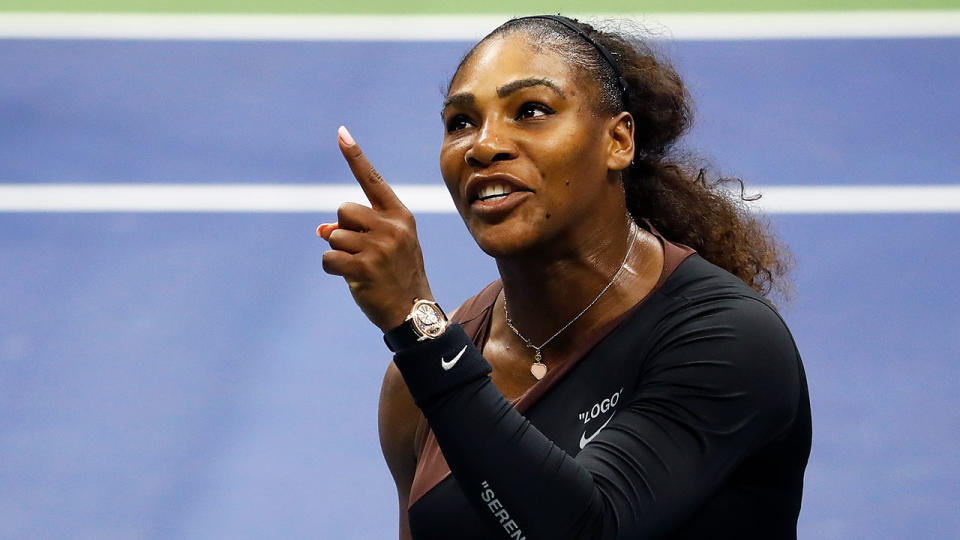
[584,439]
[447,365]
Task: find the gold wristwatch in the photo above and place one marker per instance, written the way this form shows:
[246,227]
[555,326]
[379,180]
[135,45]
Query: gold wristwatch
[425,321]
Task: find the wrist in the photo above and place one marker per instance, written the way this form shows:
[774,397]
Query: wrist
[425,321]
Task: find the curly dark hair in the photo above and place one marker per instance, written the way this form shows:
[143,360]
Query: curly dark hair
[663,185]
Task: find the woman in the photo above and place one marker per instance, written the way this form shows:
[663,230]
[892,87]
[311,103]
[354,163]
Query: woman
[612,383]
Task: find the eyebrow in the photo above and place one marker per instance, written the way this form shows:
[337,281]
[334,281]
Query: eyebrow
[466,99]
[463,99]
[512,87]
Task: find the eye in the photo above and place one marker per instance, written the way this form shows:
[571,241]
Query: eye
[533,109]
[458,122]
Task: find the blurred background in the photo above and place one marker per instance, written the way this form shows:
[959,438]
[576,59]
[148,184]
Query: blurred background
[175,364]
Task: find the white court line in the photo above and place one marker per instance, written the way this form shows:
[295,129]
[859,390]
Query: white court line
[679,26]
[299,198]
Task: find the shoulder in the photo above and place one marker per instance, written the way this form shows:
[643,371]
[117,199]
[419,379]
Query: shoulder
[701,292]
[718,337]
[702,301]
[697,278]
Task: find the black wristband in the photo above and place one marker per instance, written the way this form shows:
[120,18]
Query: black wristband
[436,366]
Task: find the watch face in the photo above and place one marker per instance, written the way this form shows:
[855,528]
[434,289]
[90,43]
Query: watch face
[428,319]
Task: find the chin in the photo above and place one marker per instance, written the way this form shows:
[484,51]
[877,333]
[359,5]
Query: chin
[497,250]
[503,239]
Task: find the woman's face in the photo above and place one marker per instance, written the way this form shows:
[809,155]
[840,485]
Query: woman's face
[525,155]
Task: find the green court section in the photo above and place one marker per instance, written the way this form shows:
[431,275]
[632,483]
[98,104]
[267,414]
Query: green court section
[488,6]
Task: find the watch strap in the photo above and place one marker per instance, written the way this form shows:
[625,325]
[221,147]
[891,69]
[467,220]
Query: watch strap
[401,337]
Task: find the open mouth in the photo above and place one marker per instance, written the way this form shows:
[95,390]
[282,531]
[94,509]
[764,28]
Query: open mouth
[495,191]
[493,194]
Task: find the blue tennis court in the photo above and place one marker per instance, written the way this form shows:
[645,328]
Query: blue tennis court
[183,375]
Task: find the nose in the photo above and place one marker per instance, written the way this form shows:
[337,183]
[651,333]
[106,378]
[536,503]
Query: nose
[490,146]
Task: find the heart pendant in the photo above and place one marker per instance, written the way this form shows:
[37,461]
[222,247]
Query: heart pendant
[538,370]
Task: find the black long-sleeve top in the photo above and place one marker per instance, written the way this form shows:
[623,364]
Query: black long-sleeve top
[689,419]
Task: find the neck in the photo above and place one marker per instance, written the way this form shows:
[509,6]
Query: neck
[544,293]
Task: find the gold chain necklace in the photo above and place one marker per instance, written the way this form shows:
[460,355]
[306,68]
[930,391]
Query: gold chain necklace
[539,369]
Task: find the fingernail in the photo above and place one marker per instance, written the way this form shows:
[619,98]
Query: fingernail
[345,136]
[324,230]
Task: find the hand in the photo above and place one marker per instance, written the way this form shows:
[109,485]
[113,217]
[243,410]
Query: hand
[375,248]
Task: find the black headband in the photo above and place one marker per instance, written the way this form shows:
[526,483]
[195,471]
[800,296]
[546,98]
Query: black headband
[573,25]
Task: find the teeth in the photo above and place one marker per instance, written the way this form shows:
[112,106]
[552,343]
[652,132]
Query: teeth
[494,190]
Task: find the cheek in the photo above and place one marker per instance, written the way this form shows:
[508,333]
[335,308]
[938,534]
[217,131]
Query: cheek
[450,160]
[575,176]
[574,146]
[569,162]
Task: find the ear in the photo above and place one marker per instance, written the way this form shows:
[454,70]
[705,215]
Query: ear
[620,150]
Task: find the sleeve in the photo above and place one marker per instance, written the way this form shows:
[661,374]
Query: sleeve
[720,383]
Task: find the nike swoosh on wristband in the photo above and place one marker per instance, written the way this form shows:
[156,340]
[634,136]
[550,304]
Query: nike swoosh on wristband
[584,439]
[447,365]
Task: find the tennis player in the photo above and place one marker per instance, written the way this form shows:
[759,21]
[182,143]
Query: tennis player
[626,377]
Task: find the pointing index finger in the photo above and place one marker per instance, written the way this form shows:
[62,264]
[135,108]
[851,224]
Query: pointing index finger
[378,192]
